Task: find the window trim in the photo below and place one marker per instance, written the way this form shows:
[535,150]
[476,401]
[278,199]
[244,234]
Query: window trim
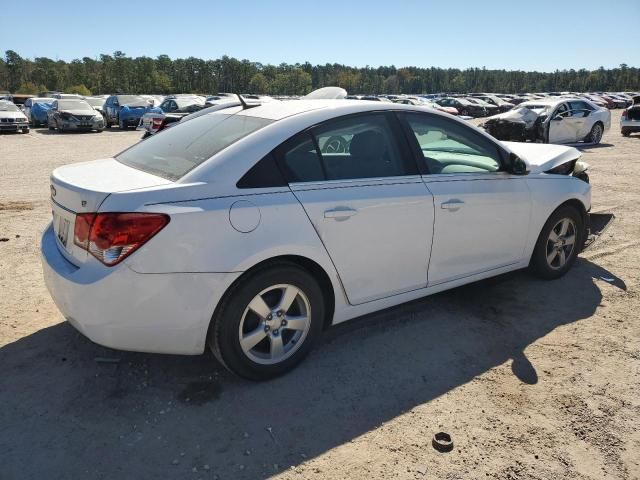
[423,168]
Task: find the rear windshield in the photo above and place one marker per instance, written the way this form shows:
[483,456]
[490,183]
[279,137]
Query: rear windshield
[124,99]
[177,150]
[95,102]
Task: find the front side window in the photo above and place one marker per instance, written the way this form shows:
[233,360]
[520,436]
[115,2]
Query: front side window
[448,147]
[183,147]
[562,111]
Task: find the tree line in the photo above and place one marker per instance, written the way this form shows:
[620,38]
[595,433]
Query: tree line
[162,75]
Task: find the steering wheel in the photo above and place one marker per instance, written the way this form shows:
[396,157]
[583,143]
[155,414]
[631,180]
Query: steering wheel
[335,144]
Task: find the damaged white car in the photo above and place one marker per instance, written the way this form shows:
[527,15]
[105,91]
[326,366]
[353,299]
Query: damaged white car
[251,228]
[554,120]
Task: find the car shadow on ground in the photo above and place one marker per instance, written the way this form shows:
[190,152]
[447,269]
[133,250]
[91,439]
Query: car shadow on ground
[591,146]
[72,409]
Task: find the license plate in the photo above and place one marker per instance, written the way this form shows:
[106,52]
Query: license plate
[85,124]
[63,230]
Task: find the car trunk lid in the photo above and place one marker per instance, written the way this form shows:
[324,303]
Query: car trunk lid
[82,187]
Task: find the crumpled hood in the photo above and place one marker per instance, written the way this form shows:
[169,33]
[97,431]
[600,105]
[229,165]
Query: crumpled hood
[518,114]
[5,114]
[541,157]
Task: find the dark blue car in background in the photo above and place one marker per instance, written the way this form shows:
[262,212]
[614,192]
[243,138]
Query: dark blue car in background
[125,110]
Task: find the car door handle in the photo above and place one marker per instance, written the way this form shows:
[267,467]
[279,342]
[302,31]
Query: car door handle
[452,205]
[340,213]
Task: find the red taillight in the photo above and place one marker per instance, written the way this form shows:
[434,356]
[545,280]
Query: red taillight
[111,237]
[82,229]
[156,123]
[624,115]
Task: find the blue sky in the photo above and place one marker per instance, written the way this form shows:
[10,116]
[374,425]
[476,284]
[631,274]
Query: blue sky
[539,35]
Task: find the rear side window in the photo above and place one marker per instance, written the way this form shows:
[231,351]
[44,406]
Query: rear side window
[361,146]
[176,151]
[263,174]
[300,160]
[353,147]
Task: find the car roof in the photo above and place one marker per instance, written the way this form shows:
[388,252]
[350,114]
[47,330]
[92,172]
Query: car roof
[281,110]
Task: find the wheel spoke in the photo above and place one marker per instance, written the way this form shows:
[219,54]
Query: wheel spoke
[277,348]
[563,257]
[553,236]
[564,227]
[252,339]
[259,306]
[552,256]
[296,323]
[288,296]
[570,240]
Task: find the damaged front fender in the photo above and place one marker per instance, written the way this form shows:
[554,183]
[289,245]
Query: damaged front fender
[518,125]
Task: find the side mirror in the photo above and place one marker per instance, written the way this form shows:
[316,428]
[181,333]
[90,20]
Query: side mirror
[517,165]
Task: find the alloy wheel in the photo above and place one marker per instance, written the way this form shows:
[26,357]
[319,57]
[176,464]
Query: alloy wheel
[275,324]
[596,133]
[561,242]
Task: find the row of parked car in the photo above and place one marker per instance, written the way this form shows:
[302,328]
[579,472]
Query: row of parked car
[552,117]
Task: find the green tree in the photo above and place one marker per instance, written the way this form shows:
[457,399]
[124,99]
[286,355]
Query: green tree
[79,89]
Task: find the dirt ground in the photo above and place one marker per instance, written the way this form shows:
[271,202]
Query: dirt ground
[532,379]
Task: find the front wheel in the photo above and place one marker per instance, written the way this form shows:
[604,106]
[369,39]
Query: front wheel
[268,322]
[595,135]
[559,243]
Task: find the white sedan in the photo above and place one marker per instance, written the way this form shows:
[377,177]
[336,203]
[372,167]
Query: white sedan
[251,228]
[552,120]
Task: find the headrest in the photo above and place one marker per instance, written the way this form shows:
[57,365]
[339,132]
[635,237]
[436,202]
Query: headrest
[367,144]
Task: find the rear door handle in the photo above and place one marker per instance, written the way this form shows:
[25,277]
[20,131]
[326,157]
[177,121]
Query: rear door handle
[340,213]
[452,205]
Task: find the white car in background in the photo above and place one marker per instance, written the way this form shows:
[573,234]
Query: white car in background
[247,230]
[11,118]
[552,120]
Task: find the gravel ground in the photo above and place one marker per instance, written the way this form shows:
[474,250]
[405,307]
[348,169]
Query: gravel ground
[533,379]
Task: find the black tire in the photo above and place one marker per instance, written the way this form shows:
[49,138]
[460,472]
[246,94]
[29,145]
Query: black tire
[625,133]
[224,332]
[539,264]
[595,137]
[107,123]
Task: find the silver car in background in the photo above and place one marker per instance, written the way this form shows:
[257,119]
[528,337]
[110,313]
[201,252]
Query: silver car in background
[74,114]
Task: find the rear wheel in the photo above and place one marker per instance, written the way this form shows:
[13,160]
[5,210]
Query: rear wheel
[269,322]
[625,132]
[558,244]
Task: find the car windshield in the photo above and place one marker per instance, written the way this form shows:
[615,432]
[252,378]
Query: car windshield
[8,107]
[95,102]
[73,105]
[176,151]
[124,99]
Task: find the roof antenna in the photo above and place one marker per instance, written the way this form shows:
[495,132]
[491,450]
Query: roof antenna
[245,105]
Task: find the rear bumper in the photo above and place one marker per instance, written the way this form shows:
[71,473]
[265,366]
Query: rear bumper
[122,309]
[629,126]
